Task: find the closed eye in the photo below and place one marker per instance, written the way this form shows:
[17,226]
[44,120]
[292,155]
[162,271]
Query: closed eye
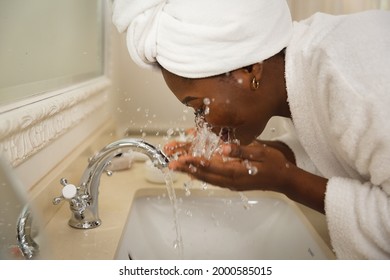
[188,99]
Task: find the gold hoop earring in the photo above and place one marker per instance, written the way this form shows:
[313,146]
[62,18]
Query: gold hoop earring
[255,84]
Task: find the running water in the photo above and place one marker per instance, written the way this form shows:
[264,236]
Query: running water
[178,243]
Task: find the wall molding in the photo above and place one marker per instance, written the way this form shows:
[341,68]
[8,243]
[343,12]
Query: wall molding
[27,129]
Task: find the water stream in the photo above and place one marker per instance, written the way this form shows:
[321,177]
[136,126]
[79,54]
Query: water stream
[178,243]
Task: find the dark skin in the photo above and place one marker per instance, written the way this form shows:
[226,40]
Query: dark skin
[237,106]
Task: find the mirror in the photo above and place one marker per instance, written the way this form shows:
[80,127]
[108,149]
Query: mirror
[47,45]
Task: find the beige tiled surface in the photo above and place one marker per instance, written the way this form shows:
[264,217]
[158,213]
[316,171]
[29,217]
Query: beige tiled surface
[116,195]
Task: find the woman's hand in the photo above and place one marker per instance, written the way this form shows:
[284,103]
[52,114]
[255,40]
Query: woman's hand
[262,165]
[177,148]
[253,167]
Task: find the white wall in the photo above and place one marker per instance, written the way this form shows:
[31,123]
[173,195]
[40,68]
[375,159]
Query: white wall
[142,100]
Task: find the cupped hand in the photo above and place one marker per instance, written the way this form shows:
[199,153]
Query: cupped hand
[177,148]
[257,166]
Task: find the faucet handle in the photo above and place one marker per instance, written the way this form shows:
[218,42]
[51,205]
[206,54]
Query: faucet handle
[68,192]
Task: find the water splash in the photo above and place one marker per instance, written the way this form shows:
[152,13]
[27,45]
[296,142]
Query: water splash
[205,142]
[187,186]
[245,201]
[204,186]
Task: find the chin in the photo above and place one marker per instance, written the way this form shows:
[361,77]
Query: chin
[246,140]
[234,134]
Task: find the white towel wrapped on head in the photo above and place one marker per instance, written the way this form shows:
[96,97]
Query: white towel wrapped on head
[203,38]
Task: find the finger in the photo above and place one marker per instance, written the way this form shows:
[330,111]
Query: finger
[217,163]
[236,179]
[176,147]
[231,173]
[250,152]
[183,163]
[196,171]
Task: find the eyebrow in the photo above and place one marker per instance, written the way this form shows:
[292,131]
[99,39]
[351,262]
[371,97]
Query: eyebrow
[188,99]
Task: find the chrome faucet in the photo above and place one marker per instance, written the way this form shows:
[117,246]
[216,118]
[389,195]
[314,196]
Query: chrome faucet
[83,199]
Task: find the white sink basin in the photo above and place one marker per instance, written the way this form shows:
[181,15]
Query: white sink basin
[219,225]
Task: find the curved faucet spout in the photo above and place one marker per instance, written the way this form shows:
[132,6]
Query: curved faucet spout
[84,204]
[136,145]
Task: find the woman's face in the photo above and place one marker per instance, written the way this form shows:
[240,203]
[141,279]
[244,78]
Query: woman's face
[227,102]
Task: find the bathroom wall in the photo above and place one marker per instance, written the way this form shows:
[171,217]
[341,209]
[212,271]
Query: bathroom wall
[144,104]
[142,101]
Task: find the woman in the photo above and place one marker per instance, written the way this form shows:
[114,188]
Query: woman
[329,74]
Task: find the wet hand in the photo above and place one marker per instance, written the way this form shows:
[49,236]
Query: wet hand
[254,167]
[177,148]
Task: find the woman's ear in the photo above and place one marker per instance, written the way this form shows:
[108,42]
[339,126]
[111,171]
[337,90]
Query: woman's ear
[257,70]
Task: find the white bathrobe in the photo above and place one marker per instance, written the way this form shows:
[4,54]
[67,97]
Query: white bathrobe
[338,83]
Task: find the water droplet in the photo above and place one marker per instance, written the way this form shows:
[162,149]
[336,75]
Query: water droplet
[188,213]
[176,244]
[192,168]
[245,201]
[252,170]
[187,186]
[228,201]
[170,132]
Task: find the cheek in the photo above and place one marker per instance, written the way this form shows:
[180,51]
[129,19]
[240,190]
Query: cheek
[223,114]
